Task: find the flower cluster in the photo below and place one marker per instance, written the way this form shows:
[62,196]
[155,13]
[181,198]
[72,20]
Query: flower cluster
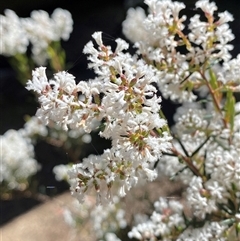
[17,155]
[13,37]
[40,30]
[108,219]
[17,160]
[124,98]
[105,221]
[178,58]
[166,222]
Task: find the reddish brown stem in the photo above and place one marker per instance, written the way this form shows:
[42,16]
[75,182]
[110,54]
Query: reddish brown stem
[187,160]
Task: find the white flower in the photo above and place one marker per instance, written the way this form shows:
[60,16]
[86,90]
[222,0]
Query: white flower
[17,160]
[61,172]
[86,138]
[64,81]
[164,219]
[216,190]
[41,30]
[224,17]
[98,38]
[108,218]
[210,231]
[121,45]
[33,127]
[13,36]
[197,197]
[63,23]
[133,26]
[68,218]
[142,231]
[207,7]
[39,82]
[230,71]
[112,237]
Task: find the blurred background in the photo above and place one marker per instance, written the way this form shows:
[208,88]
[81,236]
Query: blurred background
[16,102]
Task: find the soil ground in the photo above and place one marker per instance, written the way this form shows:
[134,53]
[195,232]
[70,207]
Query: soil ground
[45,221]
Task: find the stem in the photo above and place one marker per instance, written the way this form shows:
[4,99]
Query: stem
[56,56]
[215,101]
[23,67]
[188,162]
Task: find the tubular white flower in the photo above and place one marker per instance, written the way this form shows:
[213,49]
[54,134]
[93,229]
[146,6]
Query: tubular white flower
[224,17]
[39,82]
[207,7]
[64,81]
[98,38]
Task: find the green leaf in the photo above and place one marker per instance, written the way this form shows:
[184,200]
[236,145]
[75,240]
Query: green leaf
[133,82]
[213,79]
[230,109]
[97,99]
[238,228]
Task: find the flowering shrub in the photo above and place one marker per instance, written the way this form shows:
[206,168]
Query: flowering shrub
[191,65]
